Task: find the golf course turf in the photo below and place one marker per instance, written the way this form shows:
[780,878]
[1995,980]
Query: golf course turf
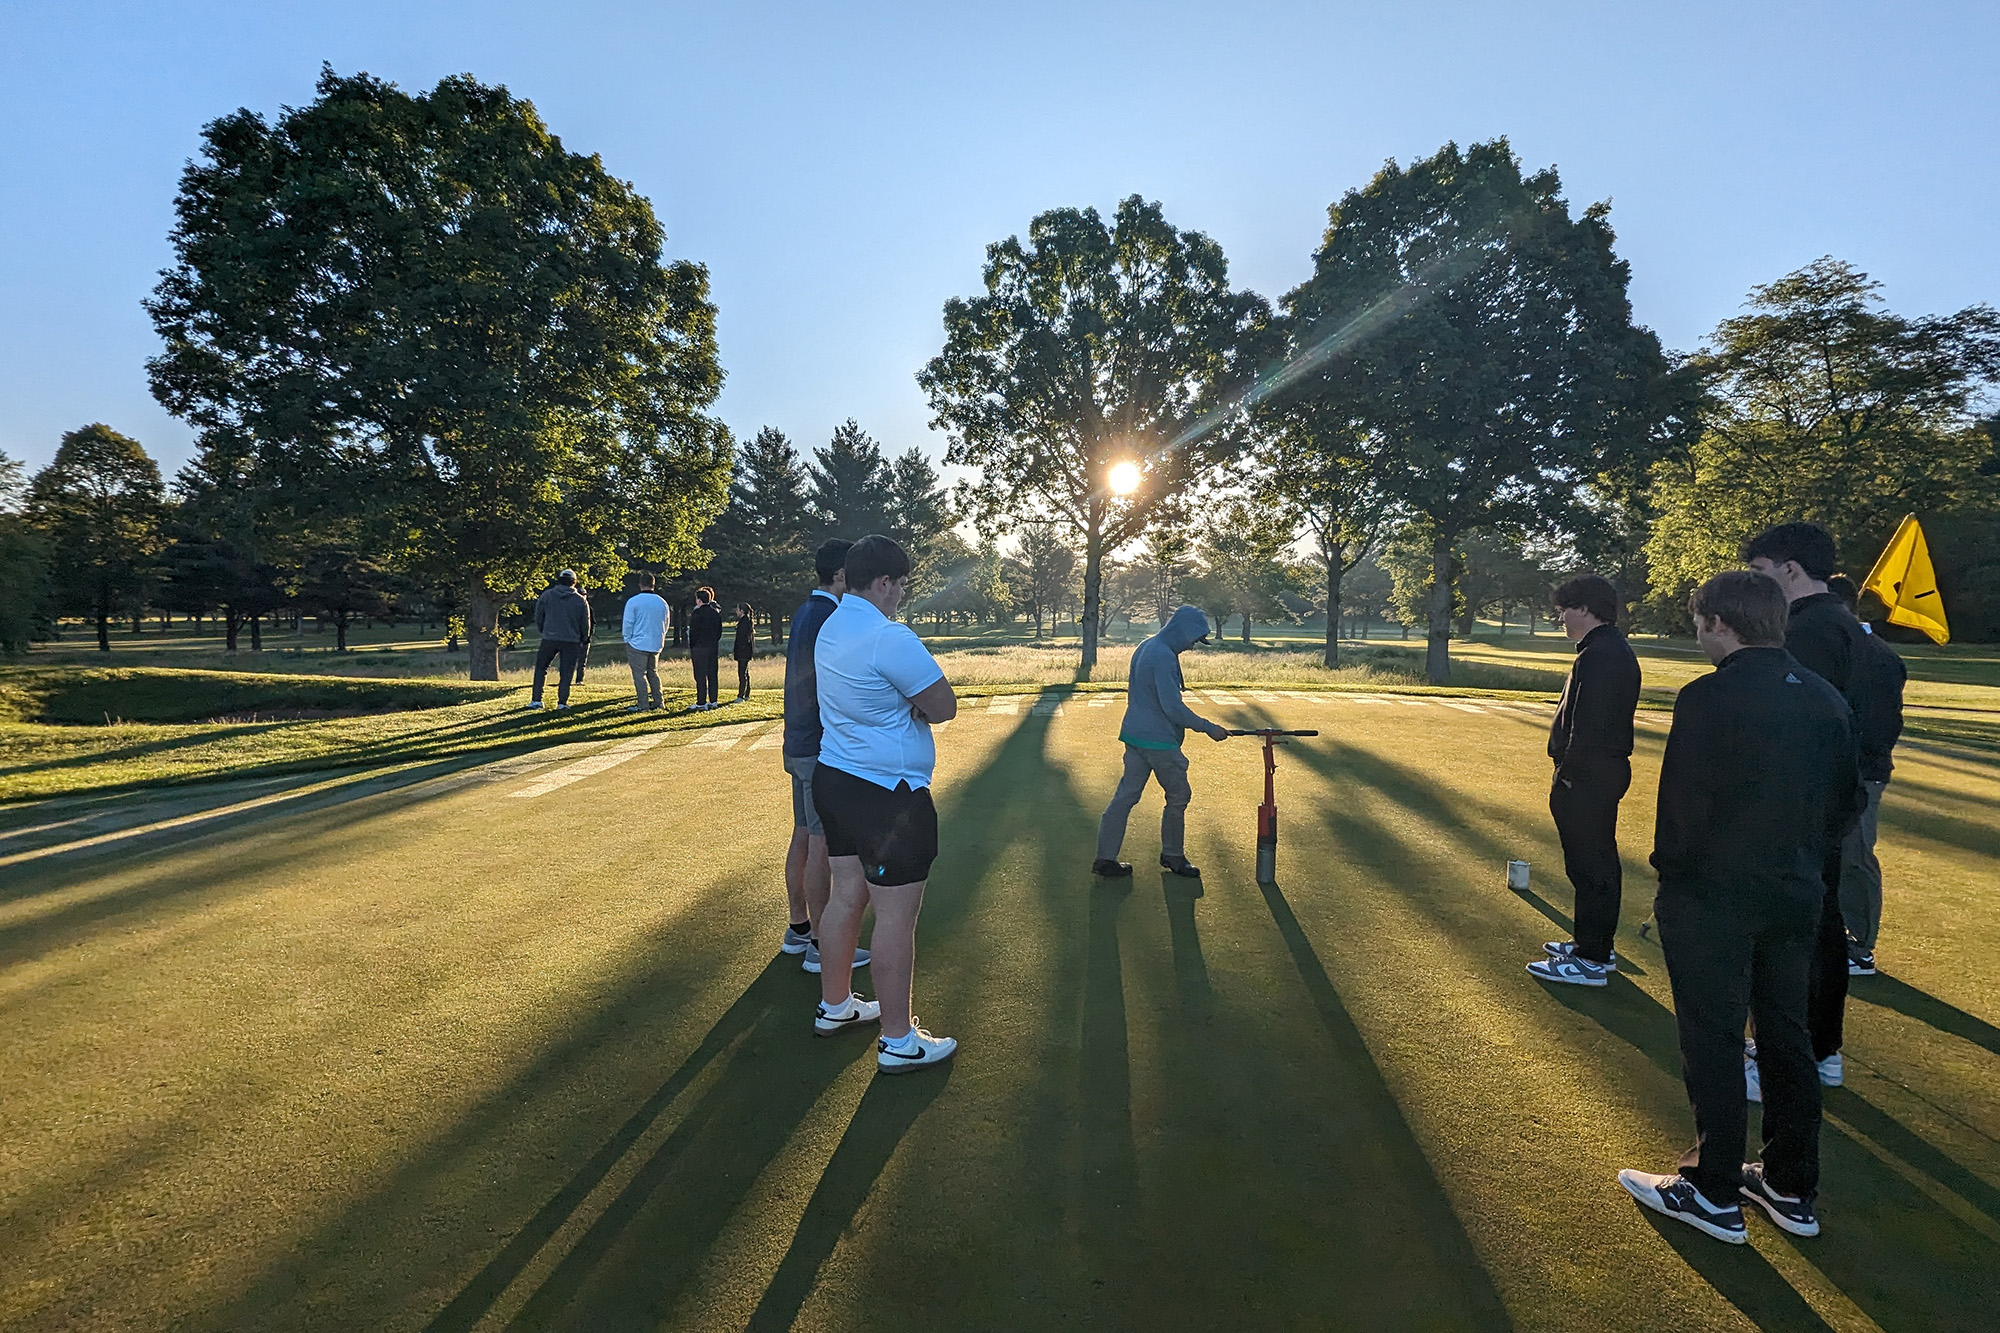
[508,1044]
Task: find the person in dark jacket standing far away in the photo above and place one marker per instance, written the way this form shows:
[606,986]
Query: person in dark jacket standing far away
[1760,782]
[745,649]
[705,647]
[880,693]
[1878,718]
[806,873]
[1591,743]
[1155,723]
[1827,640]
[563,617]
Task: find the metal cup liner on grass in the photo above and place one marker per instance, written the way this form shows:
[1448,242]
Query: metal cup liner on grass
[1517,876]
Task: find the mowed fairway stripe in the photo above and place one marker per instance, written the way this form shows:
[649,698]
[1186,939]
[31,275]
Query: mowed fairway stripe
[597,763]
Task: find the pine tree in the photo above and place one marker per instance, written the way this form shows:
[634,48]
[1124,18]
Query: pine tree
[851,485]
[763,542]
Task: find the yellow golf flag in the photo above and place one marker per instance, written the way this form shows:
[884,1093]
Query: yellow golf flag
[1907,584]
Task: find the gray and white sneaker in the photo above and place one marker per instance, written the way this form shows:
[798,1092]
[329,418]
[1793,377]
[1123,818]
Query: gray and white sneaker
[1569,970]
[811,963]
[1794,1215]
[916,1049]
[1676,1197]
[1567,948]
[794,942]
[852,1012]
[1830,1071]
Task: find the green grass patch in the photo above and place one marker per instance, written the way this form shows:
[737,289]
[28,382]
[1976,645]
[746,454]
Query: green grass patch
[107,695]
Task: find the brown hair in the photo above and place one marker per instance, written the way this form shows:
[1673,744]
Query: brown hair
[1592,593]
[704,594]
[1751,605]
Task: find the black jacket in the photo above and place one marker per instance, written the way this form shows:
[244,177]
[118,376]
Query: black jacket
[746,640]
[1594,719]
[705,626]
[1759,784]
[1826,638]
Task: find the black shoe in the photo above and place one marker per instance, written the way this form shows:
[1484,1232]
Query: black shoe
[1794,1215]
[1179,865]
[1677,1198]
[1110,869]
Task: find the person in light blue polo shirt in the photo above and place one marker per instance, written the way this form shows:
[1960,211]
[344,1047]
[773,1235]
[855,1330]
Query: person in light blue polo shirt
[880,693]
[645,634]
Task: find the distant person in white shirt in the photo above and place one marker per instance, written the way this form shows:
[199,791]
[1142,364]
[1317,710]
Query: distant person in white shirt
[645,635]
[880,693]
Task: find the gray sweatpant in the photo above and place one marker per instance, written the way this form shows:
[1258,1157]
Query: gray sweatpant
[1861,879]
[645,675]
[1171,767]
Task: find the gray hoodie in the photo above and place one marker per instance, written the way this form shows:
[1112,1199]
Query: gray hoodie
[1155,717]
[562,615]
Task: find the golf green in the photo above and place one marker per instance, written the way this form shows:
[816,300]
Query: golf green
[511,1046]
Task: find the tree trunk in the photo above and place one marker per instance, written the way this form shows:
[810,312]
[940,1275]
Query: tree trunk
[257,631]
[482,632]
[340,631]
[232,625]
[1093,586]
[103,628]
[1333,611]
[1437,654]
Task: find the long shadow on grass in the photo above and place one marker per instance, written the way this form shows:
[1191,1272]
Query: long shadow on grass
[1743,1276]
[1886,991]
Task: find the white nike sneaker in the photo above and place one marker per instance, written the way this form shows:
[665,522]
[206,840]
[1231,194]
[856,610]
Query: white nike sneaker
[916,1049]
[851,1012]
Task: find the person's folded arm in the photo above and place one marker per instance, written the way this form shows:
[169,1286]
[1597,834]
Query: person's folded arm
[936,702]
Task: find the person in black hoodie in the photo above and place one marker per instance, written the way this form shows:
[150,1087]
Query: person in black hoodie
[744,649]
[1829,642]
[705,647]
[1758,786]
[1591,744]
[1878,714]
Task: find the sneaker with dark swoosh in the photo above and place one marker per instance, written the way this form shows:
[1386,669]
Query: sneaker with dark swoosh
[1676,1197]
[853,1012]
[1567,949]
[1794,1215]
[916,1050]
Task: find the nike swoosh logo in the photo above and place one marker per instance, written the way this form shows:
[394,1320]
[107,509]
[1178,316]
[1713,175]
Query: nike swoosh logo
[903,1055]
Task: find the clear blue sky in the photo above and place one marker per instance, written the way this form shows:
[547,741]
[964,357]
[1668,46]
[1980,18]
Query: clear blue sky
[841,167]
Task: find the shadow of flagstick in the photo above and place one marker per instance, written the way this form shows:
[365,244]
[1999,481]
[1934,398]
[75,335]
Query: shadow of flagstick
[887,1111]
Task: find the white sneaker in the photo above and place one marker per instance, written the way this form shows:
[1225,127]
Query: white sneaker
[1567,948]
[852,1012]
[536,703]
[1570,970]
[916,1049]
[1829,1071]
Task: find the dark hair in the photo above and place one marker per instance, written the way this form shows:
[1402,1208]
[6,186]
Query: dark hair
[1843,587]
[704,595]
[743,609]
[566,578]
[1589,592]
[1749,603]
[1807,544]
[645,580]
[830,559]
[873,557]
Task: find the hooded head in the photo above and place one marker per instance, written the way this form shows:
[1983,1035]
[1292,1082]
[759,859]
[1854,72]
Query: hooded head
[1185,628]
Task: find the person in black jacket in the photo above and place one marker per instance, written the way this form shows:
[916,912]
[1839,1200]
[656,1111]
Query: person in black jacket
[705,647]
[745,648]
[1759,784]
[1878,714]
[1828,641]
[1591,744]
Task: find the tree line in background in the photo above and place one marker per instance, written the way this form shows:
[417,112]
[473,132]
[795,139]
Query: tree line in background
[432,356]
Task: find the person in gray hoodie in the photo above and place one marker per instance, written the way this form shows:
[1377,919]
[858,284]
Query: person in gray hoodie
[563,617]
[1155,723]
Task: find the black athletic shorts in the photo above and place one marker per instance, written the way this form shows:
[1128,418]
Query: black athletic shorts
[893,832]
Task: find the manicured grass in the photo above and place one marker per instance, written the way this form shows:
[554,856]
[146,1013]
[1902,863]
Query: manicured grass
[432,1056]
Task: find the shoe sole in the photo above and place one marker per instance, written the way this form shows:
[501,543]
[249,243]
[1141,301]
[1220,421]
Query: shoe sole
[1540,975]
[793,949]
[1651,1199]
[814,968]
[1778,1219]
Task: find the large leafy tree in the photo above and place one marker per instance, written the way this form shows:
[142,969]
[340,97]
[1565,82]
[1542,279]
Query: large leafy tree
[1044,571]
[1243,559]
[1480,338]
[1097,344]
[99,505]
[1825,407]
[1321,468]
[24,592]
[425,304]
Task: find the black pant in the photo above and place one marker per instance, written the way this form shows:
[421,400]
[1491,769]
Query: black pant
[1584,801]
[743,678]
[1826,999]
[706,657]
[547,651]
[1728,962]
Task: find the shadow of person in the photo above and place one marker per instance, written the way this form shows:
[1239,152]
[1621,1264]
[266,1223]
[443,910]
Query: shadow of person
[887,1111]
[1197,999]
[1744,1277]
[1907,1000]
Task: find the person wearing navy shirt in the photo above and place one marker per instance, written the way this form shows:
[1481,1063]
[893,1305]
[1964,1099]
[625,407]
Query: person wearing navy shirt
[806,874]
